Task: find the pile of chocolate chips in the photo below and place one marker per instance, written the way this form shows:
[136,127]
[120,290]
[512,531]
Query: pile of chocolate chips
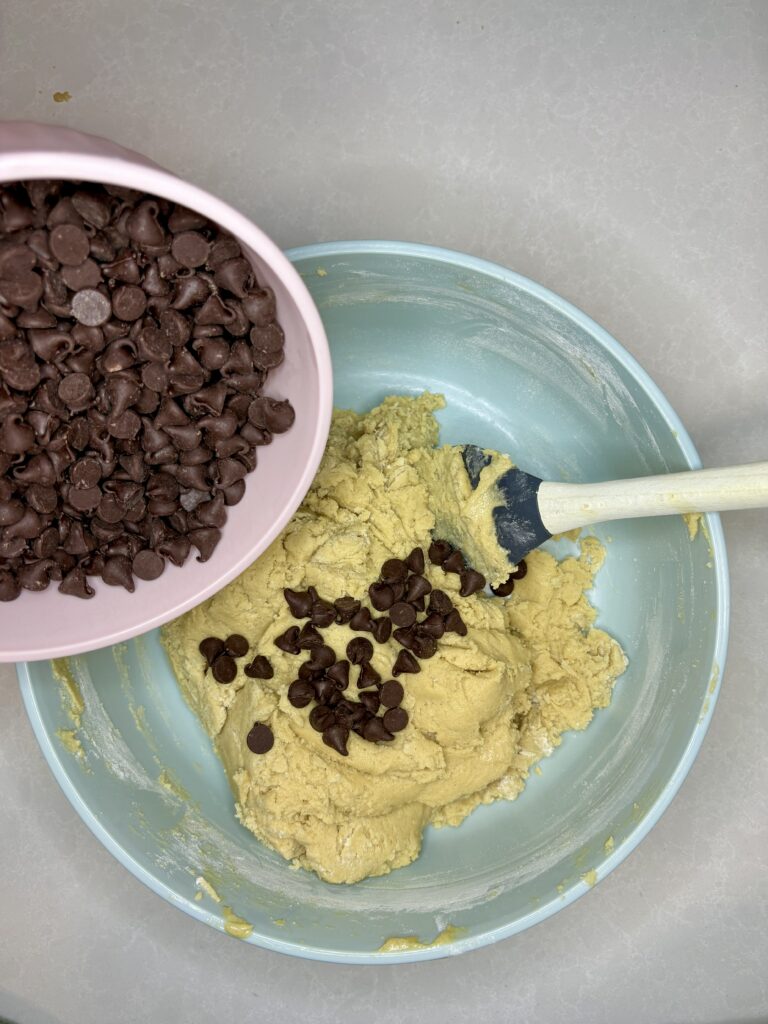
[220,658]
[135,342]
[404,594]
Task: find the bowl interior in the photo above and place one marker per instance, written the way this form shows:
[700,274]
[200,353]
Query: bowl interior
[525,373]
[285,469]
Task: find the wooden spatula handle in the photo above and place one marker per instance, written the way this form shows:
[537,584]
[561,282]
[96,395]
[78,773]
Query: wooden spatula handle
[566,506]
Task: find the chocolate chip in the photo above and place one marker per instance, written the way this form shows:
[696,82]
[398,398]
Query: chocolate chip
[310,672]
[415,561]
[117,572]
[455,624]
[235,276]
[205,540]
[339,674]
[433,625]
[345,607]
[85,472]
[326,692]
[69,244]
[9,587]
[84,275]
[405,662]
[391,693]
[190,249]
[16,215]
[224,669]
[402,614]
[224,248]
[23,290]
[374,731]
[309,637]
[210,648]
[11,511]
[454,562]
[471,582]
[16,437]
[76,585]
[148,565]
[36,576]
[424,646]
[271,414]
[300,693]
[259,306]
[12,547]
[416,588]
[321,717]
[234,493]
[260,739]
[183,219]
[382,596]
[212,352]
[405,637]
[439,602]
[45,545]
[91,307]
[395,720]
[439,550]
[92,206]
[322,657]
[236,645]
[299,602]
[142,224]
[370,701]
[261,668]
[84,499]
[289,640]
[381,629]
[394,570]
[368,676]
[359,650]
[128,302]
[521,571]
[335,736]
[323,613]
[30,525]
[504,589]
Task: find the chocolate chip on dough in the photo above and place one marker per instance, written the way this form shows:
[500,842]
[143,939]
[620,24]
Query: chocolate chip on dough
[471,582]
[359,650]
[405,662]
[259,668]
[224,669]
[395,719]
[439,550]
[260,739]
[391,693]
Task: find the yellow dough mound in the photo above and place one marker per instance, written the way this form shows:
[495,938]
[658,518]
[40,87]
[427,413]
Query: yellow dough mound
[482,711]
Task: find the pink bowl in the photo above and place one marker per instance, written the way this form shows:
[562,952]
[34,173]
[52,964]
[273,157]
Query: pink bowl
[50,624]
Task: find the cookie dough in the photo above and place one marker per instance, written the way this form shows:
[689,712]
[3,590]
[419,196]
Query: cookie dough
[482,711]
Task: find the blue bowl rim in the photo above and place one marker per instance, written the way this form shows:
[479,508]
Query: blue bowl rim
[325,250]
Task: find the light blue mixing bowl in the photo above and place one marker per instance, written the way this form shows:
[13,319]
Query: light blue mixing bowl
[524,372]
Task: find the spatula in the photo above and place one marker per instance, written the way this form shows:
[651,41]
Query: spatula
[533,510]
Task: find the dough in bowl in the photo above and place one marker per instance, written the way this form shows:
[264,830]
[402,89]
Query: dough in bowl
[481,711]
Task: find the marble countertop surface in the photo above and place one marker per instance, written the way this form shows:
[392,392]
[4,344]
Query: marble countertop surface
[615,152]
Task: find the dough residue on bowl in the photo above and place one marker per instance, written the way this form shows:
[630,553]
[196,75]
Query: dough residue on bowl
[482,711]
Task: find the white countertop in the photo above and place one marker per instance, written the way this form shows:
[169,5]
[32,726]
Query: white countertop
[615,152]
